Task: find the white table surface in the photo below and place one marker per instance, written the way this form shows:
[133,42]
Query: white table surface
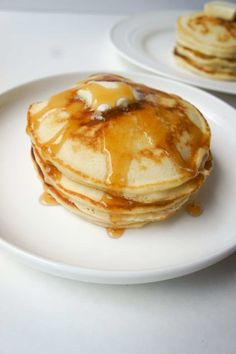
[42,314]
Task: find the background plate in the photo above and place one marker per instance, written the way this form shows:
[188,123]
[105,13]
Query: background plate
[56,241]
[148,40]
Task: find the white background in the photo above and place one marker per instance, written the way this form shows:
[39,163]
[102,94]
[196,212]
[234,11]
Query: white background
[100,6]
[42,314]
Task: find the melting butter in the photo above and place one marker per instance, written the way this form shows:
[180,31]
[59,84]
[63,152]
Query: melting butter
[104,95]
[221,9]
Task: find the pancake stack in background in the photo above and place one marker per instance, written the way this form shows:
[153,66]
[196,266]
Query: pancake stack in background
[117,153]
[206,41]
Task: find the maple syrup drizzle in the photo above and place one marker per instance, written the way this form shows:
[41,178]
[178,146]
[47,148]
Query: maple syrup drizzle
[52,170]
[47,199]
[114,202]
[151,127]
[114,233]
[194,209]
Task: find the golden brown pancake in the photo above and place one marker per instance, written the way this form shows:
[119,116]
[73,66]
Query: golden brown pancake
[118,153]
[207,45]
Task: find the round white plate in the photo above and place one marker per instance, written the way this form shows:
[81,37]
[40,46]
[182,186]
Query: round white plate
[148,40]
[58,242]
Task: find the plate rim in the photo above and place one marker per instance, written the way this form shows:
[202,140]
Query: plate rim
[119,277]
[152,70]
[103,276]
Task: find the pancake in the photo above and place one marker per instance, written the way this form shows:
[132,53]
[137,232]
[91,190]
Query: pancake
[210,61]
[206,45]
[118,153]
[207,34]
[108,211]
[215,69]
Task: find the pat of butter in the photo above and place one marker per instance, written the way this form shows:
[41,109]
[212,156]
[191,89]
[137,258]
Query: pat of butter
[104,95]
[221,9]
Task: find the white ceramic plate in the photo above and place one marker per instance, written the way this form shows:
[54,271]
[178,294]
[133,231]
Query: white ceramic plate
[148,40]
[58,242]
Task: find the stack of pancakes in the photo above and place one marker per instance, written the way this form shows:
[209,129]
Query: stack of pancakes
[207,45]
[117,153]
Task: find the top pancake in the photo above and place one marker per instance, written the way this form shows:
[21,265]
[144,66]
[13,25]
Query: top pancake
[207,34]
[156,142]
